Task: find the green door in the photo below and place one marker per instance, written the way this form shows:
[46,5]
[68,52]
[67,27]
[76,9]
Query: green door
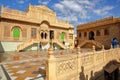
[62,36]
[16,32]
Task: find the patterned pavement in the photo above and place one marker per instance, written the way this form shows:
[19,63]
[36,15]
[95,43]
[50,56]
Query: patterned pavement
[8,57]
[33,69]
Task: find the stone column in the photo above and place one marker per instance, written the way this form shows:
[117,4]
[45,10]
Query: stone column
[103,47]
[93,47]
[111,47]
[50,51]
[51,65]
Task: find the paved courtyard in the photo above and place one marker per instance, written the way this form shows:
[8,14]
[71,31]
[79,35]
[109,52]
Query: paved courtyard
[28,67]
[33,69]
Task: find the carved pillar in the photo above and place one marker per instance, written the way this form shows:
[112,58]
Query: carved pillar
[111,47]
[93,47]
[50,51]
[103,47]
[78,50]
[51,65]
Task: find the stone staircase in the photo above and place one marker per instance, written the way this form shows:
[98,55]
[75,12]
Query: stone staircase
[60,44]
[30,42]
[26,44]
[92,42]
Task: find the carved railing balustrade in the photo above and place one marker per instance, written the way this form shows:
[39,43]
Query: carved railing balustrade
[70,66]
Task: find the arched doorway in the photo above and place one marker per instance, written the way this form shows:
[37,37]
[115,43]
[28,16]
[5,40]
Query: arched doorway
[91,35]
[16,32]
[62,35]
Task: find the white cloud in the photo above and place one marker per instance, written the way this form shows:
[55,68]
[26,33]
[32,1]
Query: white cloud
[85,2]
[68,18]
[44,2]
[76,10]
[73,10]
[103,11]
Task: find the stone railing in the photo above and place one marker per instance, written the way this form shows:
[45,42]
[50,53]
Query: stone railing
[60,43]
[26,44]
[78,65]
[90,41]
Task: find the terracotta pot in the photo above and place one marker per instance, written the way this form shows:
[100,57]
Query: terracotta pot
[35,55]
[16,58]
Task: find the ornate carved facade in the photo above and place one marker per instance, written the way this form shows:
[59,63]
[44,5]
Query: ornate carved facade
[36,23]
[99,32]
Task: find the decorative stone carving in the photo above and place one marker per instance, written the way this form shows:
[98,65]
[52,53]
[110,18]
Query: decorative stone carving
[66,66]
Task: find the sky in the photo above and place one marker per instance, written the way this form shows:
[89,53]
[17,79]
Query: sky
[75,11]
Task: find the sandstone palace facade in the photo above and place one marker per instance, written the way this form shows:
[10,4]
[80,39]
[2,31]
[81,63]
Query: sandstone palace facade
[31,29]
[99,32]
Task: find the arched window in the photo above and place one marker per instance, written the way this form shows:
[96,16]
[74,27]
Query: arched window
[45,35]
[42,35]
[97,33]
[16,32]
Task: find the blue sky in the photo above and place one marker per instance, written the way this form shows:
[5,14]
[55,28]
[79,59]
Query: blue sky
[74,11]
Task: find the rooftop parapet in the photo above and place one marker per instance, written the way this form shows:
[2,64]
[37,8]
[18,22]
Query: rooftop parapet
[41,8]
[11,11]
[61,21]
[98,23]
[34,14]
[118,19]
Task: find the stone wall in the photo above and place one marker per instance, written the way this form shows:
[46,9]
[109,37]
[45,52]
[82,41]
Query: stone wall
[35,17]
[79,66]
[110,25]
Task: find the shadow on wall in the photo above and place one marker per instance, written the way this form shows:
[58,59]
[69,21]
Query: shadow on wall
[82,74]
[105,74]
[1,48]
[93,76]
